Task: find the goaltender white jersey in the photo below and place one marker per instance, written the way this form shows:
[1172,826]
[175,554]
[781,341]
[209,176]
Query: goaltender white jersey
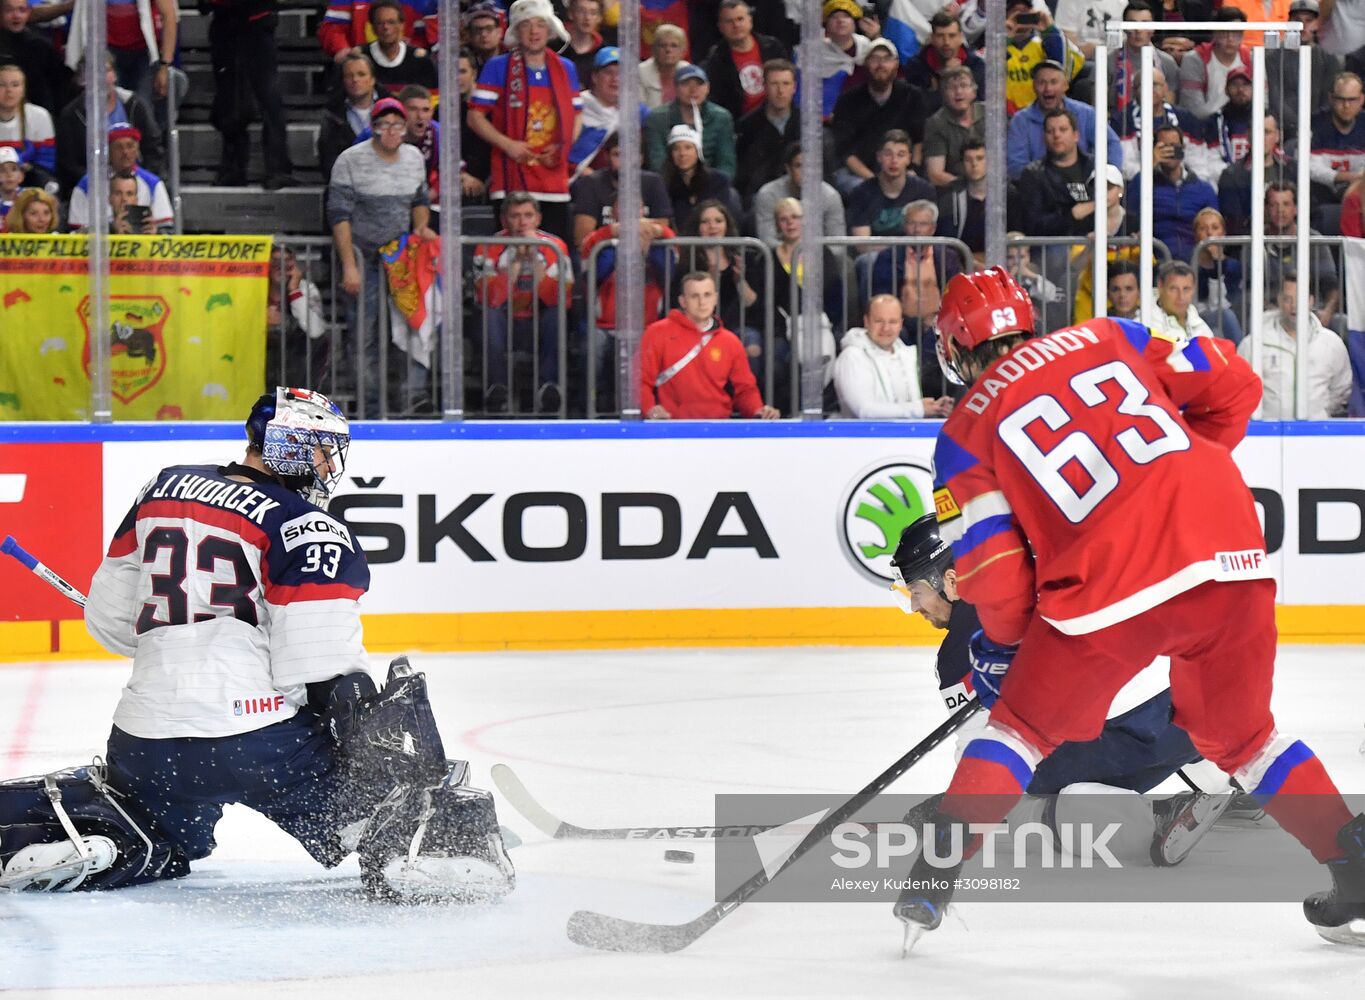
[231,593]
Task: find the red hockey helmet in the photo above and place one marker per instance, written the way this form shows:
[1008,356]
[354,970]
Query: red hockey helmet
[977,308]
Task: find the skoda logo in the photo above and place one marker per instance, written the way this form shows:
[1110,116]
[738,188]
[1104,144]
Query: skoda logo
[877,508]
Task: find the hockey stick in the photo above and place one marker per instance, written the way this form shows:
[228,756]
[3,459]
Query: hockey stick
[12,548]
[517,795]
[597,930]
[552,826]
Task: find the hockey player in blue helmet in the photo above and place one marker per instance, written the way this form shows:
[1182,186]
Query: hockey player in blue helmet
[237,597]
[302,439]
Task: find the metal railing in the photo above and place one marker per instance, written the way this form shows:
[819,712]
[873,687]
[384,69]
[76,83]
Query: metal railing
[324,346]
[177,86]
[1062,272]
[319,339]
[564,267]
[310,351]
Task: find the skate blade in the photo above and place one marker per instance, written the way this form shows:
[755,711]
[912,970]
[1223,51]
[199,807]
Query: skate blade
[1352,933]
[913,932]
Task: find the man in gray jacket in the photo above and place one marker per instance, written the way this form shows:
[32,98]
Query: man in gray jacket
[765,201]
[378,190]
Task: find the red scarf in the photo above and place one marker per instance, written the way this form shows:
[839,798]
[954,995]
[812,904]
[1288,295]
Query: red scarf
[510,116]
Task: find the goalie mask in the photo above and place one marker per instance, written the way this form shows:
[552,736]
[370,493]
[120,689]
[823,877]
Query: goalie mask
[303,438]
[921,555]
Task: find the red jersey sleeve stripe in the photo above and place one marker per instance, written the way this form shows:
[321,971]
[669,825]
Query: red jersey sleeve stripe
[281,595]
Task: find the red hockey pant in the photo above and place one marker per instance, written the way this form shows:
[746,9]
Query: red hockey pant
[1221,641]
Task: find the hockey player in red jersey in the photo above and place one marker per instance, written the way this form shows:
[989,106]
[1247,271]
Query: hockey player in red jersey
[1066,480]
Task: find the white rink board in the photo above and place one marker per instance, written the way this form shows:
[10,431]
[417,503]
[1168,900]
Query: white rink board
[796,486]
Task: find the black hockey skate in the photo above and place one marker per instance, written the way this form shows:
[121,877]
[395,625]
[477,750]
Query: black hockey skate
[928,890]
[1339,913]
[1181,822]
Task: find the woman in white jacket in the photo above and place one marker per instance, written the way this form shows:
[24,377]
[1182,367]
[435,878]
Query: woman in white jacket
[877,374]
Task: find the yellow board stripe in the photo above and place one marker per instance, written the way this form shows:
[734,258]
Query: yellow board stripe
[1340,624]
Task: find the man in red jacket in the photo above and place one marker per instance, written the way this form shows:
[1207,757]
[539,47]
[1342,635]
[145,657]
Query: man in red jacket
[691,367]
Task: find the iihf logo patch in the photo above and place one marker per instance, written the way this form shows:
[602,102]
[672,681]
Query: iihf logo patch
[1247,564]
[237,708]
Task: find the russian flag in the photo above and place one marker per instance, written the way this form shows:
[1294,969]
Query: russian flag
[906,27]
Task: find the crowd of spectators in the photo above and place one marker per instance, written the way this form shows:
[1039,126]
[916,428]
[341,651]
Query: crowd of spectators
[901,91]
[904,156]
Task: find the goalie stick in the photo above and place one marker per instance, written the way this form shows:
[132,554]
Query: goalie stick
[12,548]
[607,933]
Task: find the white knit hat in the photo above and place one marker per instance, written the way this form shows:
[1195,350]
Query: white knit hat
[524,10]
[685,133]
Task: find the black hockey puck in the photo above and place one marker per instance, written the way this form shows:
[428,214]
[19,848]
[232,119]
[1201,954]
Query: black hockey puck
[681,857]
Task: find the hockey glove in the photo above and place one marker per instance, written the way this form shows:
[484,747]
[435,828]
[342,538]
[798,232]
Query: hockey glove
[989,660]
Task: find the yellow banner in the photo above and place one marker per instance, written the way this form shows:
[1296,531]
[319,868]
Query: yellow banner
[185,334]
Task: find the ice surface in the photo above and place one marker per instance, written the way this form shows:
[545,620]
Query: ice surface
[629,738]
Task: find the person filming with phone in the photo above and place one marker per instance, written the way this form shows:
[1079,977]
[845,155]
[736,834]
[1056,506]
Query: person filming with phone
[126,216]
[1033,38]
[1177,194]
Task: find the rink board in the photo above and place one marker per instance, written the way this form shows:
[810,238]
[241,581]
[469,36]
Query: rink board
[560,535]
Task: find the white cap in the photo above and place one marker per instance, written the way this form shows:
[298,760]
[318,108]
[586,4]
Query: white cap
[524,10]
[1113,175]
[8,154]
[684,133]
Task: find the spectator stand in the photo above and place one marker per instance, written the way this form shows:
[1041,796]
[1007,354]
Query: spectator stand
[1288,31]
[305,78]
[1327,286]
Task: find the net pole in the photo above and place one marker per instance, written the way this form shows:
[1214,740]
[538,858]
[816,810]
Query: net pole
[1099,261]
[812,264]
[630,261]
[451,344]
[997,125]
[97,228]
[1256,302]
[1148,176]
[1302,248]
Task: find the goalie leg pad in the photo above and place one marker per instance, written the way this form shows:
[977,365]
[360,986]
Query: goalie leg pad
[436,843]
[70,830]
